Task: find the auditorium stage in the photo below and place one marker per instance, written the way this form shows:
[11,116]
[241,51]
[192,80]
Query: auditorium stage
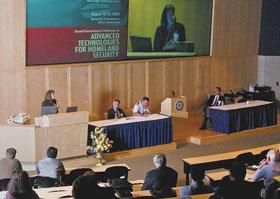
[187,131]
[184,131]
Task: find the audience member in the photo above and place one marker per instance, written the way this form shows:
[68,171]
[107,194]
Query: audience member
[197,186]
[9,164]
[19,187]
[115,112]
[234,186]
[162,176]
[268,168]
[141,108]
[214,100]
[86,185]
[50,166]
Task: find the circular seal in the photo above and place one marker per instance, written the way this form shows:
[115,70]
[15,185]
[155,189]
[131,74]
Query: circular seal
[179,105]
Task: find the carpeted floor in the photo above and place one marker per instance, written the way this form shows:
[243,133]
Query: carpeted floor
[140,165]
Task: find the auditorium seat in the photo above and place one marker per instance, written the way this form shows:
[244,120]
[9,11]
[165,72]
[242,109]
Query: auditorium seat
[93,117]
[45,182]
[73,175]
[4,184]
[116,172]
[245,158]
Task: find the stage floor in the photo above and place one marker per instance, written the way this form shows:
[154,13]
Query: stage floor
[187,131]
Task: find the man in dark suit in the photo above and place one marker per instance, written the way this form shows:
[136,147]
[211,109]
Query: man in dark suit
[115,112]
[214,100]
[162,176]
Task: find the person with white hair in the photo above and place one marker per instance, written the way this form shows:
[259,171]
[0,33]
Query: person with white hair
[268,169]
[9,164]
[162,176]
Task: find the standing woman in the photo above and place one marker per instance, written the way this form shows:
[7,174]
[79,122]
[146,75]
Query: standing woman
[50,100]
[20,187]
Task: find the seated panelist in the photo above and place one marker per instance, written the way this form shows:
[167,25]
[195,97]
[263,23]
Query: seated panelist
[141,108]
[214,100]
[115,112]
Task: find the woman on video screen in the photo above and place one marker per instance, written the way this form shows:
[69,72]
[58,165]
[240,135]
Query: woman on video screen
[169,31]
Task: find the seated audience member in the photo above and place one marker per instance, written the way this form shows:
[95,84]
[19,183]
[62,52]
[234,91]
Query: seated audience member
[50,166]
[234,186]
[141,108]
[19,187]
[9,164]
[162,176]
[214,100]
[197,186]
[268,168]
[115,112]
[86,185]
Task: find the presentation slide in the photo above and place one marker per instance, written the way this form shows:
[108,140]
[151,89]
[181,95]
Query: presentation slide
[70,31]
[169,28]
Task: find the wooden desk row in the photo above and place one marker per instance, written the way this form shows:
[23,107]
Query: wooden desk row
[217,161]
[57,192]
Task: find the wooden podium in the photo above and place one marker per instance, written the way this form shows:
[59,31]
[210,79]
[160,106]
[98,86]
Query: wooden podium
[66,131]
[175,107]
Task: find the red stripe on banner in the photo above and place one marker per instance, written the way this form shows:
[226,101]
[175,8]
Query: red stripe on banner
[75,44]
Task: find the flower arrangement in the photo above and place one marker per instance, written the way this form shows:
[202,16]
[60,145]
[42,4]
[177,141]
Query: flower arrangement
[100,142]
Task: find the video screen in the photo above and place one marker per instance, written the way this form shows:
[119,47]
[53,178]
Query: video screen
[169,28]
[76,31]
[68,31]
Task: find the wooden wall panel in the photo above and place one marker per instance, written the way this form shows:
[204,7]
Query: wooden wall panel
[138,81]
[101,89]
[173,72]
[12,58]
[57,80]
[156,84]
[201,80]
[236,27]
[234,72]
[79,87]
[119,84]
[35,82]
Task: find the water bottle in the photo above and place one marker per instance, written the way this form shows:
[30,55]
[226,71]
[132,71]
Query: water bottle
[251,87]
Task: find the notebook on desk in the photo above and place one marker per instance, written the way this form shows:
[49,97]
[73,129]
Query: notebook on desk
[71,109]
[140,44]
[184,46]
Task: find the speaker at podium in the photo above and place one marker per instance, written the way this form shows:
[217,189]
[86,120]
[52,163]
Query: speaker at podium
[175,107]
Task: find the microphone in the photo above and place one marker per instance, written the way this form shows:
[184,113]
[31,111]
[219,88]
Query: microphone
[58,105]
[173,93]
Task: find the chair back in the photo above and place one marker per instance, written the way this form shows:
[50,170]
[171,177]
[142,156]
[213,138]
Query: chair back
[4,184]
[74,174]
[245,158]
[116,172]
[105,116]
[45,182]
[277,193]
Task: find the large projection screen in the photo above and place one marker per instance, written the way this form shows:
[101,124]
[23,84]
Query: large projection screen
[76,31]
[68,31]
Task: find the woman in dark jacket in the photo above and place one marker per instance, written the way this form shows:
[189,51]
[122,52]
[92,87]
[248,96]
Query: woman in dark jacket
[20,187]
[49,98]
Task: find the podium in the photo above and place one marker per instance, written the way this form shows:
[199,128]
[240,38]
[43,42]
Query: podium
[175,107]
[66,131]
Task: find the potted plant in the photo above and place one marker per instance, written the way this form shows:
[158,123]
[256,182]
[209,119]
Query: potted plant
[100,144]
